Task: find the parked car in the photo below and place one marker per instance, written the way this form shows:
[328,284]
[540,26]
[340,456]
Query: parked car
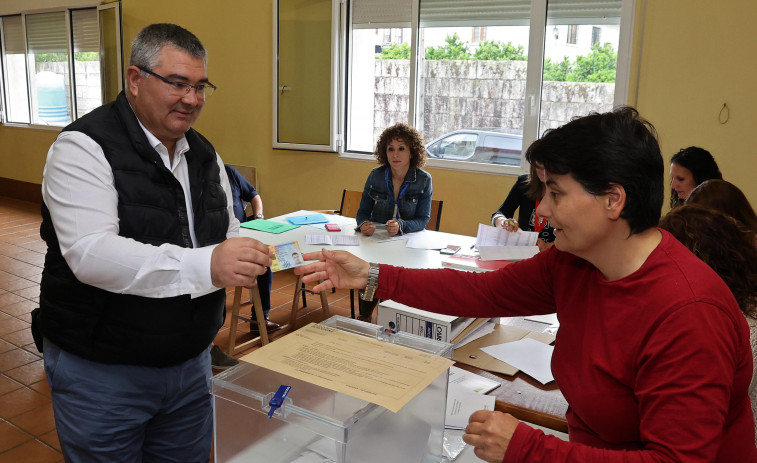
[489,146]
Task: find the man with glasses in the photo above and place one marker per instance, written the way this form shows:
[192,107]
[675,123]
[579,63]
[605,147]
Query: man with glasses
[142,240]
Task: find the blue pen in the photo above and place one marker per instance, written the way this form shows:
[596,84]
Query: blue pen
[278,399]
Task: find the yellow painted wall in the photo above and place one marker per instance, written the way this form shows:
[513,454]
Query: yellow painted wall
[694,56]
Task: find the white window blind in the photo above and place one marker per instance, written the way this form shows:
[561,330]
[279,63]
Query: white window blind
[377,14]
[46,33]
[86,30]
[13,37]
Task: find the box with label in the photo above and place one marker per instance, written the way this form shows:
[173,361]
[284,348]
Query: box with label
[402,318]
[318,424]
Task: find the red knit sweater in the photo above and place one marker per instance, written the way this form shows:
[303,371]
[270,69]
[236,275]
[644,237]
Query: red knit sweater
[655,366]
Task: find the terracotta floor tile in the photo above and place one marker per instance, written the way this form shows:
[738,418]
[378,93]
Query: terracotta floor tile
[12,324]
[19,401]
[31,257]
[15,358]
[20,338]
[36,422]
[8,384]
[31,292]
[35,278]
[15,283]
[51,438]
[6,346]
[11,436]
[42,387]
[18,308]
[9,298]
[33,451]
[28,374]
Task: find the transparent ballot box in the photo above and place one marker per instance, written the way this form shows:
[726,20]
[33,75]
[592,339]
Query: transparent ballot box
[318,424]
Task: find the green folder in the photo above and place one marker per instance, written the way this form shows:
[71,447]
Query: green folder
[268,226]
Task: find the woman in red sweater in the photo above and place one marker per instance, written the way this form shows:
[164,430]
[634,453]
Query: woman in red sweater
[652,354]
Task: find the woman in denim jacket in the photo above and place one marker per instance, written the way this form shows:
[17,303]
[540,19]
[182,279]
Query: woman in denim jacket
[397,194]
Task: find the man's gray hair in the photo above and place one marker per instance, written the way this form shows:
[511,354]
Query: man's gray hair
[150,40]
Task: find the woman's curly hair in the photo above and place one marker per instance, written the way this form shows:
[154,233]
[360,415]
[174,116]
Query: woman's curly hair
[723,243]
[411,137]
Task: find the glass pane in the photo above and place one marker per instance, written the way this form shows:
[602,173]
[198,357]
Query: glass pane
[47,56]
[16,91]
[580,59]
[86,42]
[304,71]
[473,78]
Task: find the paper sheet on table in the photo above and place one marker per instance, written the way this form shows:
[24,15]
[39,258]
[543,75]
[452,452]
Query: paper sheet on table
[507,252]
[422,240]
[334,240]
[381,235]
[549,319]
[385,374]
[470,382]
[528,355]
[493,236]
[461,405]
[480,331]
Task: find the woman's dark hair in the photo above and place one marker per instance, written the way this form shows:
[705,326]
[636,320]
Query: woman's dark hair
[599,150]
[727,198]
[723,243]
[701,164]
[411,137]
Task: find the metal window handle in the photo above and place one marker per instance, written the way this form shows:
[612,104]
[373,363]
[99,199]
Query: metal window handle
[284,88]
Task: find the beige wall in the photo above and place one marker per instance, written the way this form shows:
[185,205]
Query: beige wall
[694,57]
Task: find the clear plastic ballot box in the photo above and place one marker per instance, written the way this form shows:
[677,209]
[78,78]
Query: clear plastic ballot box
[318,424]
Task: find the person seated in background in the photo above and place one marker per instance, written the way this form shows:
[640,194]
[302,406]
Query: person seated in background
[725,197]
[727,246]
[525,196]
[688,168]
[653,353]
[243,192]
[398,193]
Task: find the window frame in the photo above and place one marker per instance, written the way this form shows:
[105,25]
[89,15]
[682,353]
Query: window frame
[73,5]
[537,33]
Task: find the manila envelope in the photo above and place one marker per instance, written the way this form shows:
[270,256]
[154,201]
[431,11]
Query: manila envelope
[472,354]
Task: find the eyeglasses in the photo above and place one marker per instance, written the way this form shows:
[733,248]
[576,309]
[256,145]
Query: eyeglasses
[183,88]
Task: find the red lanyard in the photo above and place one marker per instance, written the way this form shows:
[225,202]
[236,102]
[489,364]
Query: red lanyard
[539,223]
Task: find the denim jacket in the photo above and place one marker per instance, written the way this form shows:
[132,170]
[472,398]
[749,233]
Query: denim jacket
[377,203]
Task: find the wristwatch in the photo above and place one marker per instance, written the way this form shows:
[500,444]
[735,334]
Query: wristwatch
[370,288]
[259,216]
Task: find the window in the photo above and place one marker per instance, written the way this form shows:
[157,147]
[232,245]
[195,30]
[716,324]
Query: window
[596,35]
[52,64]
[572,34]
[480,80]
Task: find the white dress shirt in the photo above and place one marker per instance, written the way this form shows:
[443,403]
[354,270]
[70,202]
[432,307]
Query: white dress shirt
[80,193]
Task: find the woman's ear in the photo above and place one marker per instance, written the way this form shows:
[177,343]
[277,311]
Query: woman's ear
[616,200]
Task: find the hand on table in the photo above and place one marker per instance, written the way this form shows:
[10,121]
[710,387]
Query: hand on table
[392,227]
[335,269]
[489,433]
[367,228]
[238,262]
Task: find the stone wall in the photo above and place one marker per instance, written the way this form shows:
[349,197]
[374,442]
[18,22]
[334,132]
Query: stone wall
[477,94]
[88,86]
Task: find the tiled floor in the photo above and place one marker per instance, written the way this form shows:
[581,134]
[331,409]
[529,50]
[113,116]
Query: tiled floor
[27,428]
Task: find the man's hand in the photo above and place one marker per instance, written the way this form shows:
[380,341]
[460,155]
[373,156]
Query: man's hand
[238,261]
[336,269]
[490,433]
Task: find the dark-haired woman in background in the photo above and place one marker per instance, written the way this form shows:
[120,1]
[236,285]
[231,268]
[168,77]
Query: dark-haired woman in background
[688,168]
[727,246]
[725,197]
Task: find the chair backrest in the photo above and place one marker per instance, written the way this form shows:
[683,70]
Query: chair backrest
[251,175]
[436,215]
[350,203]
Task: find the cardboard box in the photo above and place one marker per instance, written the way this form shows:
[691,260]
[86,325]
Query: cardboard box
[402,318]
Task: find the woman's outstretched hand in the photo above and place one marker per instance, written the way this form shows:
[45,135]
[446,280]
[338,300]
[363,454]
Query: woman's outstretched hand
[334,269]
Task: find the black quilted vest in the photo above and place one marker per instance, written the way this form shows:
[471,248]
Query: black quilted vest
[125,329]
